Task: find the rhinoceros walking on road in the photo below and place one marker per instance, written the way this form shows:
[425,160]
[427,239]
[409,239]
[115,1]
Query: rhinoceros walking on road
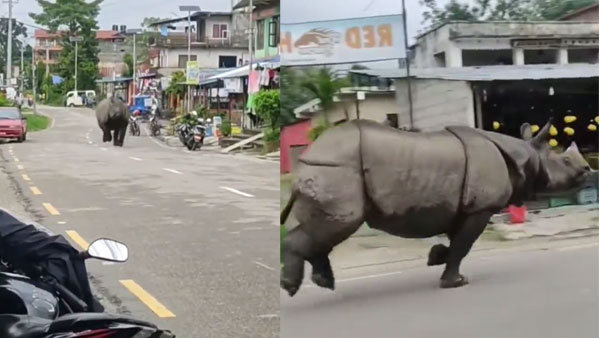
[414,185]
[113,116]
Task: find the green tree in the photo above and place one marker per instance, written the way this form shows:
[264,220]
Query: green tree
[267,105]
[19,32]
[175,88]
[148,21]
[322,84]
[294,94]
[479,10]
[79,19]
[128,60]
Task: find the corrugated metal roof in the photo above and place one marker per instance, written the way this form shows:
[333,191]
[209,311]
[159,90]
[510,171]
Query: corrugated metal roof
[491,73]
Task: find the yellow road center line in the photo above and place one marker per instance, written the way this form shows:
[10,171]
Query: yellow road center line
[25,177]
[20,167]
[147,299]
[83,244]
[16,159]
[52,210]
[35,190]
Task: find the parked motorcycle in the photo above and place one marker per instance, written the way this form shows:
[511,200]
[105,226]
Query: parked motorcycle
[195,139]
[154,125]
[134,127]
[35,304]
[183,130]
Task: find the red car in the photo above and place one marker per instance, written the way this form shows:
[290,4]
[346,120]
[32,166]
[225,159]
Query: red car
[13,125]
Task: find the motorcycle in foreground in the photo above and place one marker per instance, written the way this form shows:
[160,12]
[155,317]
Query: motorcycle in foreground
[35,304]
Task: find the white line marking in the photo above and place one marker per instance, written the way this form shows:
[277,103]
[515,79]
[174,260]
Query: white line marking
[264,266]
[20,167]
[90,142]
[235,191]
[576,247]
[269,316]
[173,171]
[62,222]
[135,158]
[252,228]
[105,149]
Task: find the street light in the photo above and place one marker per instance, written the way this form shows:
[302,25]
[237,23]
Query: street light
[134,32]
[189,9]
[75,39]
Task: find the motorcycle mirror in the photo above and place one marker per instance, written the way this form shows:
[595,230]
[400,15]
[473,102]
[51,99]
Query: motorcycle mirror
[108,250]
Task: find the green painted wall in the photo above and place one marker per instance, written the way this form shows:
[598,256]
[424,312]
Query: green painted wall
[267,50]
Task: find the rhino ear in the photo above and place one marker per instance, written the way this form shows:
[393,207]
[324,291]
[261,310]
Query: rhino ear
[541,139]
[573,147]
[526,132]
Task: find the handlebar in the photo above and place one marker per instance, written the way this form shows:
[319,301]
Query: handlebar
[77,304]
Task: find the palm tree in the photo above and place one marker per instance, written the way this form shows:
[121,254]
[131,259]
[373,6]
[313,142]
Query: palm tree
[324,86]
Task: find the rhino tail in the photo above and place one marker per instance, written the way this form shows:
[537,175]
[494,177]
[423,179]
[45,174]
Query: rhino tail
[288,208]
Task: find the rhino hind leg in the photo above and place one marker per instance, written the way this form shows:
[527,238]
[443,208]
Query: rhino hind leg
[322,274]
[438,255]
[106,136]
[468,229]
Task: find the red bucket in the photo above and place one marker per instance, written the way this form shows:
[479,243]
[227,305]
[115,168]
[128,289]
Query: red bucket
[517,214]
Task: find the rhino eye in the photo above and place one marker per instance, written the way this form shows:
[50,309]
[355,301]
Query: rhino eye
[567,161]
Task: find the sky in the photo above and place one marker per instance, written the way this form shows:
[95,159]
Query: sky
[114,12]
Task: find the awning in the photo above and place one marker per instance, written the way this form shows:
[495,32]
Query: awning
[115,80]
[244,70]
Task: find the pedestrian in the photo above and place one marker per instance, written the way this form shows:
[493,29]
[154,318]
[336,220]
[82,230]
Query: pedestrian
[19,100]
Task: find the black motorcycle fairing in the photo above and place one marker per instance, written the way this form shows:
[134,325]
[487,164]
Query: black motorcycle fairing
[21,295]
[25,246]
[22,326]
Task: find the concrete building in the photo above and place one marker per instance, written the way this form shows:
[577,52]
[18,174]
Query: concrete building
[266,19]
[213,43]
[378,104]
[500,98]
[465,44]
[47,49]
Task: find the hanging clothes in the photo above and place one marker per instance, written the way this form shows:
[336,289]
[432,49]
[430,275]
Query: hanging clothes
[264,77]
[253,83]
[233,85]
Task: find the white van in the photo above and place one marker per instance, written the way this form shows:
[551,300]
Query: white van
[74,97]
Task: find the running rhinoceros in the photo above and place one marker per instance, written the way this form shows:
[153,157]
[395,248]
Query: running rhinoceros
[414,185]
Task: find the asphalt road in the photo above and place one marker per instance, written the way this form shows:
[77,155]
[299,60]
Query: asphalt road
[202,228]
[550,293]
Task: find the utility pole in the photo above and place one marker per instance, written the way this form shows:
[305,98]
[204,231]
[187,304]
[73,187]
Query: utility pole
[189,9]
[9,44]
[22,70]
[250,51]
[408,82]
[76,39]
[33,81]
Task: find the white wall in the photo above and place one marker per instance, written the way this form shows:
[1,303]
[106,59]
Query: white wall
[207,57]
[436,103]
[374,107]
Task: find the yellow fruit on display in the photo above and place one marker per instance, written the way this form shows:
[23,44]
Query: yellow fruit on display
[569,131]
[535,128]
[596,119]
[552,142]
[553,131]
[570,118]
[496,125]
[592,127]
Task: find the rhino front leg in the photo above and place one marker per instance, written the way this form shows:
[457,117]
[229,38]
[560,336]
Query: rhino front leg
[467,231]
[294,248]
[438,255]
[322,275]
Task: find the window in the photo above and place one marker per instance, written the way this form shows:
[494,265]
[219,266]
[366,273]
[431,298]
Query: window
[219,31]
[226,61]
[260,34]
[183,60]
[274,32]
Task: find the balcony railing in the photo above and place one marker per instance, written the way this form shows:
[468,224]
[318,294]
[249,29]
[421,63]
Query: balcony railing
[180,40]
